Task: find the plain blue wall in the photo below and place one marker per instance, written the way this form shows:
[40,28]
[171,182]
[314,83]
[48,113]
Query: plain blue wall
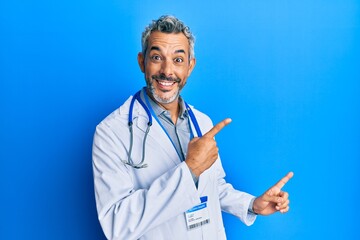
[286,72]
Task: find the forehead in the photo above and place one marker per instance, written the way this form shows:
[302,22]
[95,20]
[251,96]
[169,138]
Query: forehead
[168,41]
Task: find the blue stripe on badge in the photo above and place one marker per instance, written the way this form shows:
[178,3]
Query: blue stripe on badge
[197,208]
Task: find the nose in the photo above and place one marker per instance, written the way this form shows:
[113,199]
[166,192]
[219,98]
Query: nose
[167,68]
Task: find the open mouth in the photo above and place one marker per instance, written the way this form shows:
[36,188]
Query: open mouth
[165,83]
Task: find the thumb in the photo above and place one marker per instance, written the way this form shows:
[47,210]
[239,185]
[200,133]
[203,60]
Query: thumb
[270,196]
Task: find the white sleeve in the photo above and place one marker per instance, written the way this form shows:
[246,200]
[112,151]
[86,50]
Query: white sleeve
[234,201]
[126,213]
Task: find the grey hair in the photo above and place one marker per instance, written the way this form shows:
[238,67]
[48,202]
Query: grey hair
[168,24]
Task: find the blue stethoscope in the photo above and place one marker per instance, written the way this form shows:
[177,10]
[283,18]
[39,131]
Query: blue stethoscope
[150,113]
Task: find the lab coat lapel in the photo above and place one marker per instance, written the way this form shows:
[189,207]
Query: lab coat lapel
[157,134]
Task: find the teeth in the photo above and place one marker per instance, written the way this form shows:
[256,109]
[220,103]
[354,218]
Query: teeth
[165,83]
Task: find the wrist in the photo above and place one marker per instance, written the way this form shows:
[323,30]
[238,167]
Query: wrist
[194,171]
[251,207]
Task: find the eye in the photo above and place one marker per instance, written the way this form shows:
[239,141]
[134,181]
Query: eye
[179,60]
[156,58]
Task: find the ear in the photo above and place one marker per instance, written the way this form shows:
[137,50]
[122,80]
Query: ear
[141,61]
[192,64]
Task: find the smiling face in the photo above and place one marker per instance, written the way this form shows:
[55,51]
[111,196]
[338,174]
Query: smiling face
[166,66]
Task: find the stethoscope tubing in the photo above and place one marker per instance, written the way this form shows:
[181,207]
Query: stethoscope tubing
[149,124]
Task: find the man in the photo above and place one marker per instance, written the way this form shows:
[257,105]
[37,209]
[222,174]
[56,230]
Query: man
[157,171]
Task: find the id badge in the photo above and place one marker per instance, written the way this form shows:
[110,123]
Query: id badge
[198,215]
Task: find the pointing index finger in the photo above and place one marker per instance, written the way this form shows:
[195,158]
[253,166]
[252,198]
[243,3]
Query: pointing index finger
[280,184]
[217,128]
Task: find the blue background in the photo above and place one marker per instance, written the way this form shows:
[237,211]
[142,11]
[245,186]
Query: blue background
[286,72]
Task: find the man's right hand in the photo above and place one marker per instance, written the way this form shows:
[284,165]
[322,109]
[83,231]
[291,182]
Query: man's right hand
[203,152]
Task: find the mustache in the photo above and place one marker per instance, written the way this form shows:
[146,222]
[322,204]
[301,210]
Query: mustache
[163,77]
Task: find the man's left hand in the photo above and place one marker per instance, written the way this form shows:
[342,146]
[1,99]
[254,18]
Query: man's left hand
[273,200]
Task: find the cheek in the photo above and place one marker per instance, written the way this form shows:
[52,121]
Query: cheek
[183,75]
[151,66]
[148,74]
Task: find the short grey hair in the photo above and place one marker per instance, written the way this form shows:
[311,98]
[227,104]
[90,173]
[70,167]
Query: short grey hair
[168,24]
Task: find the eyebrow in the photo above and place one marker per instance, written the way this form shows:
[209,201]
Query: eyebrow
[158,49]
[180,51]
[155,48]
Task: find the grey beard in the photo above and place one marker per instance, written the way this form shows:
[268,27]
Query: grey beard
[158,98]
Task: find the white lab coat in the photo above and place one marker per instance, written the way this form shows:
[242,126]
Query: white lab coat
[149,203]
